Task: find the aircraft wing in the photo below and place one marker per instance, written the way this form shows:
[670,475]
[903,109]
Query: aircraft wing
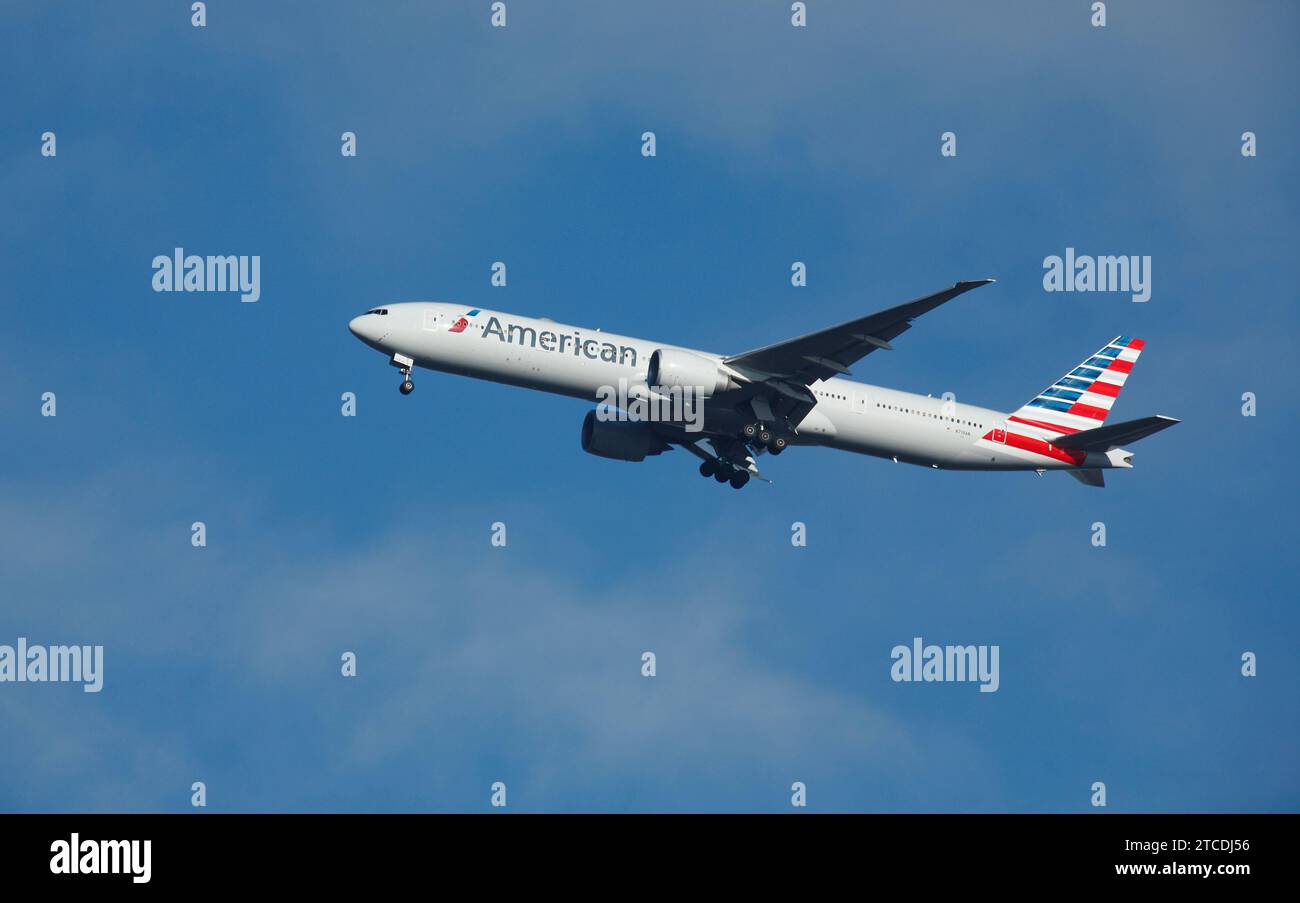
[829,352]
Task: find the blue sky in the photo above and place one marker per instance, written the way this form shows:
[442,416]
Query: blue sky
[522,664]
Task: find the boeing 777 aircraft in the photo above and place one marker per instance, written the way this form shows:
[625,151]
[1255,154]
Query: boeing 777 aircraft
[790,393]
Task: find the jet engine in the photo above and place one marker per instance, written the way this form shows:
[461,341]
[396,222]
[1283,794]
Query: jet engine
[671,368]
[621,440]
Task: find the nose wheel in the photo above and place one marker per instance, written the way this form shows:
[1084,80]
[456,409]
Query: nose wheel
[404,365]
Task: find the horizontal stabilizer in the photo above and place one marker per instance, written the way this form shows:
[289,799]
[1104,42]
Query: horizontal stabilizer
[1089,477]
[1104,438]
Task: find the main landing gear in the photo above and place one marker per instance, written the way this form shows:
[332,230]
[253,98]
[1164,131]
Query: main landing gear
[760,435]
[724,473]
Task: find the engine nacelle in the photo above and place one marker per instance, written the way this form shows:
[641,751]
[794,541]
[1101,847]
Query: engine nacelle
[622,440]
[673,369]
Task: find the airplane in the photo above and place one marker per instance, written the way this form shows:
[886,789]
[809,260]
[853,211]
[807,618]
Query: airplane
[791,393]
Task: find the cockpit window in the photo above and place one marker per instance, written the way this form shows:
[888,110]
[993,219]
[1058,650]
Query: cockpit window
[378,310]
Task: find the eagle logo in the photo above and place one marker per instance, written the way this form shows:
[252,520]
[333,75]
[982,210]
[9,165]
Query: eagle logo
[460,324]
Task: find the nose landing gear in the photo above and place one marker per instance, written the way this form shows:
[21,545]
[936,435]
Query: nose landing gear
[404,365]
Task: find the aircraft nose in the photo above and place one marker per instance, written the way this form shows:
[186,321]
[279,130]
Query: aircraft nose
[369,328]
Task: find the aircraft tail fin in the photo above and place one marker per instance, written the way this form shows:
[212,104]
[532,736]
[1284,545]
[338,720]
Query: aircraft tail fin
[1080,400]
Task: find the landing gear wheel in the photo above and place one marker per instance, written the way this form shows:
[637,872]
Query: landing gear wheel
[778,445]
[749,431]
[722,474]
[739,479]
[406,388]
[708,468]
[764,437]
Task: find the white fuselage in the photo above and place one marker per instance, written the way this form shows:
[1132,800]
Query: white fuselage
[582,363]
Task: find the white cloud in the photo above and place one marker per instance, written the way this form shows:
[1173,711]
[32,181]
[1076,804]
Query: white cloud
[467,654]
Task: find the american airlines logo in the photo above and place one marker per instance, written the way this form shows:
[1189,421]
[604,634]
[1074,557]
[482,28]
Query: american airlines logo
[624,403]
[558,342]
[460,324]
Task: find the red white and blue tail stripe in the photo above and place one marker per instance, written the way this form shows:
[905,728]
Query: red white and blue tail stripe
[1081,399]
